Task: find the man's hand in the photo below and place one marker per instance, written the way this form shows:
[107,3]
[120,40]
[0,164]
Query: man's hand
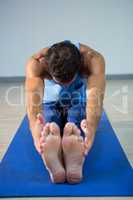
[89,135]
[37,134]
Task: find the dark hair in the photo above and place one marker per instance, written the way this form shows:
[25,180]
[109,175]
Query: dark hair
[64,60]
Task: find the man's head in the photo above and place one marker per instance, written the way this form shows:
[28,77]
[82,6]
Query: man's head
[64,61]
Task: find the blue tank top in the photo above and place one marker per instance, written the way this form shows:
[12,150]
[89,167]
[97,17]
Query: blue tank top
[54,91]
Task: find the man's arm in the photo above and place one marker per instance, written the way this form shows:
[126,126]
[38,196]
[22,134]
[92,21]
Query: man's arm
[96,88]
[34,86]
[35,74]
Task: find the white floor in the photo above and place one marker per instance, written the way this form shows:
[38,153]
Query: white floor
[118,104]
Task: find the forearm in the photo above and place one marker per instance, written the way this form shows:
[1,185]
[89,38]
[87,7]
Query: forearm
[94,107]
[34,96]
[96,89]
[32,112]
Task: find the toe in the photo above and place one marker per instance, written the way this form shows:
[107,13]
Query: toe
[68,129]
[76,130]
[54,128]
[46,130]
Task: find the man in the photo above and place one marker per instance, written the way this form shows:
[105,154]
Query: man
[58,109]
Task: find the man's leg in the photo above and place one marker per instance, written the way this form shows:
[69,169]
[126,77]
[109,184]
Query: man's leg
[52,143]
[73,145]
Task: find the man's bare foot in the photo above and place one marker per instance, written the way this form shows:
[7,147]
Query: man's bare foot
[73,150]
[52,152]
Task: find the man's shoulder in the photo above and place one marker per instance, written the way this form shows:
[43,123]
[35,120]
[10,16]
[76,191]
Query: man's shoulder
[93,60]
[85,49]
[34,68]
[36,65]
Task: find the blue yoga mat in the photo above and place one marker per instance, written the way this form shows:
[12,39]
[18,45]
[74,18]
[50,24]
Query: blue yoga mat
[107,171]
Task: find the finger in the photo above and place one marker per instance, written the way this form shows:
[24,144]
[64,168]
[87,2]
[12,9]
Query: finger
[83,123]
[43,144]
[40,118]
[43,131]
[38,149]
[42,140]
[41,148]
[83,126]
[41,151]
[38,124]
[86,152]
[88,144]
[42,134]
[85,144]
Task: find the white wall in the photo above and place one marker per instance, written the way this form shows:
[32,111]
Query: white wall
[28,25]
